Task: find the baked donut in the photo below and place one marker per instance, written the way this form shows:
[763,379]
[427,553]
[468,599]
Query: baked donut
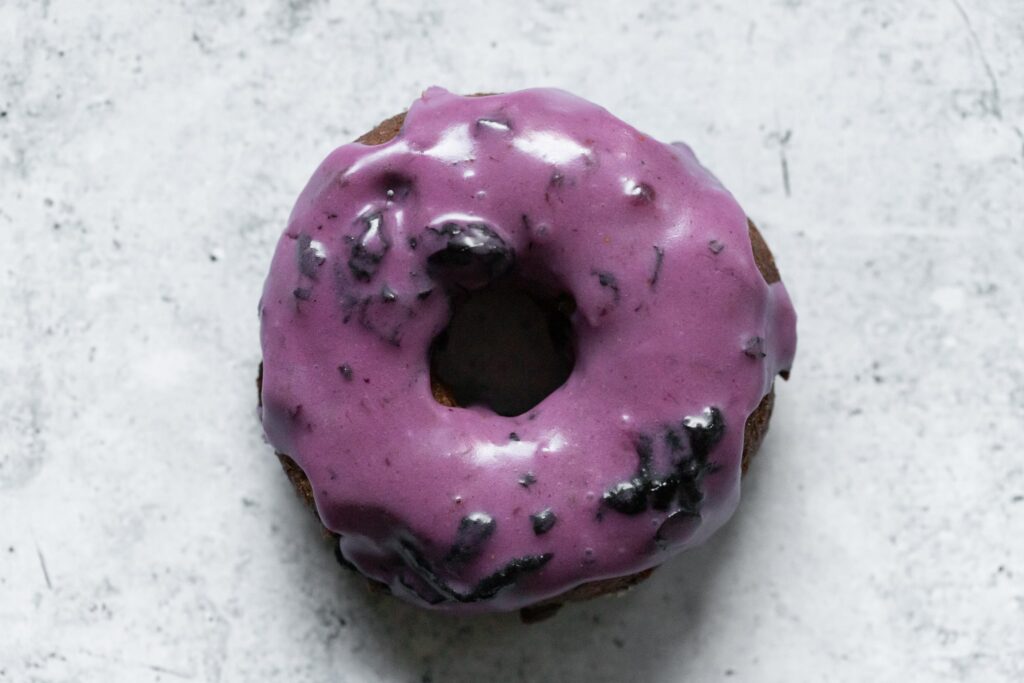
[518,352]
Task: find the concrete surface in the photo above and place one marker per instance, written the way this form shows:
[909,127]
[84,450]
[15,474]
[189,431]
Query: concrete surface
[149,155]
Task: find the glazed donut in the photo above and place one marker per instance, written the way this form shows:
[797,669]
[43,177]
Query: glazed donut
[515,349]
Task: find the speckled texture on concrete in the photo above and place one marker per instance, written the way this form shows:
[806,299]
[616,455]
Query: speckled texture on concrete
[149,154]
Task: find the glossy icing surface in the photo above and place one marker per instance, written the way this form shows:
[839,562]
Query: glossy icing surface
[635,457]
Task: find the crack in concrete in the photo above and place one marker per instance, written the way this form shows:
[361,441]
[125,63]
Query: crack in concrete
[997,107]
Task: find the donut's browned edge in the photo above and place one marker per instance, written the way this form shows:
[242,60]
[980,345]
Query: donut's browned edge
[753,433]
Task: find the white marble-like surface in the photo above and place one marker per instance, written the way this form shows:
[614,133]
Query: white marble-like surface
[149,155]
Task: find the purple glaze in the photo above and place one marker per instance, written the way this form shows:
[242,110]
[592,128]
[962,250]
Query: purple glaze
[431,500]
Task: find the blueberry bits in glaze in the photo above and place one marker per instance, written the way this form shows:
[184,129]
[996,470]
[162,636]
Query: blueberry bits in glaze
[640,193]
[311,256]
[473,532]
[754,347]
[627,497]
[659,258]
[705,431]
[543,521]
[546,197]
[688,446]
[608,281]
[486,588]
[661,491]
[369,249]
[508,574]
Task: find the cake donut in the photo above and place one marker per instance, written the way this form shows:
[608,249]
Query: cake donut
[517,352]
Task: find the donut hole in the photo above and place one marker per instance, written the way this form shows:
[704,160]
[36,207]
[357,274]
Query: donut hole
[506,347]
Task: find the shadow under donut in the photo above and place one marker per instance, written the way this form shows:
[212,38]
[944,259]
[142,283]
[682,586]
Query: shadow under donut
[611,639]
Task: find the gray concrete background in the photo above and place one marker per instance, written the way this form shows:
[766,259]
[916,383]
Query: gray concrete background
[149,155]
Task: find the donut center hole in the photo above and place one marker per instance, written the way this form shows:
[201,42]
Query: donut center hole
[506,348]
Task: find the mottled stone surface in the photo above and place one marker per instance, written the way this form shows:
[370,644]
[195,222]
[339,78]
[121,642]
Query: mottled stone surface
[149,155]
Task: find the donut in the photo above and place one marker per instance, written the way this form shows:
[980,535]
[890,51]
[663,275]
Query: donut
[516,352]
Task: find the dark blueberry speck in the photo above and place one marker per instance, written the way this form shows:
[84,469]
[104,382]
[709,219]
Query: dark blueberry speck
[688,445]
[413,243]
[607,280]
[645,453]
[388,295]
[513,436]
[705,430]
[527,480]
[642,193]
[346,371]
[659,257]
[690,468]
[675,442]
[309,256]
[662,491]
[627,497]
[716,247]
[543,521]
[473,532]
[489,586]
[754,347]
[302,293]
[369,250]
